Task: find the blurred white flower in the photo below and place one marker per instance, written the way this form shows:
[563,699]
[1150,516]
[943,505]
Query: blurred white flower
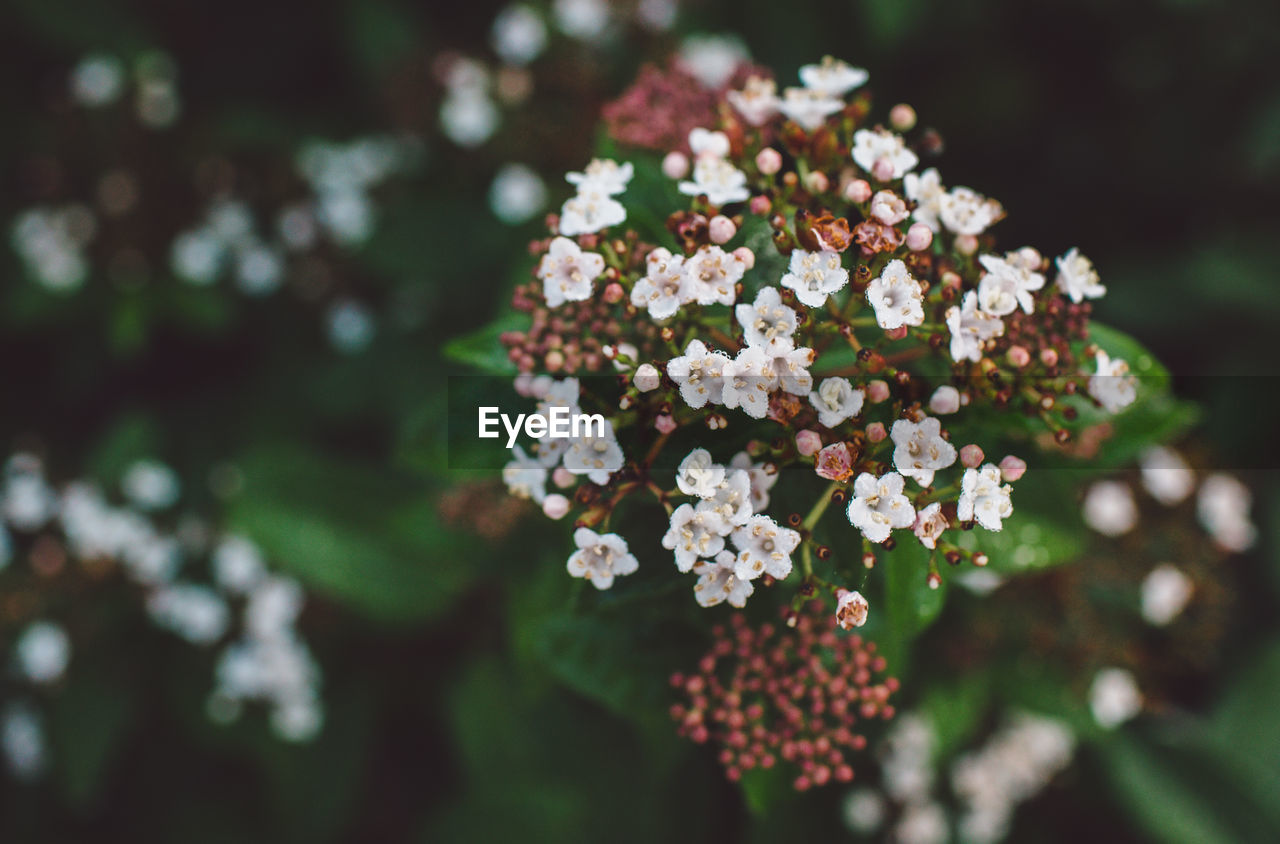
[1114,697]
[43,651]
[192,611]
[517,194]
[98,80]
[1223,505]
[519,35]
[585,20]
[1166,476]
[712,59]
[1109,508]
[351,326]
[1165,593]
[22,738]
[151,485]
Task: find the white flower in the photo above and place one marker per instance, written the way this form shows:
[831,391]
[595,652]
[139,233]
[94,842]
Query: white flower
[567,272]
[647,378]
[604,175]
[192,611]
[705,143]
[710,275]
[1113,386]
[888,207]
[851,610]
[730,505]
[763,476]
[1166,475]
[896,297]
[600,557]
[836,400]
[749,378]
[929,525]
[590,211]
[878,505]
[518,35]
[663,288]
[922,823]
[926,190]
[808,108]
[700,374]
[27,501]
[832,77]
[699,475]
[965,211]
[43,652]
[150,485]
[920,449]
[517,194]
[864,810]
[693,534]
[718,581]
[468,117]
[1007,285]
[712,59]
[945,400]
[585,20]
[597,457]
[237,565]
[1165,593]
[984,498]
[764,548]
[757,102]
[1114,697]
[718,180]
[1109,509]
[23,741]
[525,477]
[1223,506]
[1077,278]
[871,146]
[767,322]
[98,80]
[791,370]
[971,328]
[814,276]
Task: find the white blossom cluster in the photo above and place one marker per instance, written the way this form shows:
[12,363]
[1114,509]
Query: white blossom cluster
[51,241]
[99,80]
[266,660]
[593,207]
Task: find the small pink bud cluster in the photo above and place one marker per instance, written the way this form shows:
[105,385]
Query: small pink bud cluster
[785,693]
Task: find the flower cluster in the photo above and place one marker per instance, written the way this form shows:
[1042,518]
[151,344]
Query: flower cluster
[811,291]
[242,606]
[793,694]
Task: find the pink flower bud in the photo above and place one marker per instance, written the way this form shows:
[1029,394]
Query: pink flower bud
[646,378]
[664,423]
[1030,256]
[857,191]
[563,478]
[1049,357]
[877,391]
[769,161]
[721,229]
[760,205]
[876,432]
[1012,468]
[675,165]
[896,333]
[835,463]
[746,256]
[919,237]
[971,456]
[966,244]
[1019,356]
[555,506]
[613,293]
[902,118]
[945,399]
[882,170]
[817,182]
[808,442]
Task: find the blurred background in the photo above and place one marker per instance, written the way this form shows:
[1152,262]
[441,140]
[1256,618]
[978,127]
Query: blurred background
[243,597]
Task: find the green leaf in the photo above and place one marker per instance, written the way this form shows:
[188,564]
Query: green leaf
[909,604]
[89,721]
[481,349]
[1028,543]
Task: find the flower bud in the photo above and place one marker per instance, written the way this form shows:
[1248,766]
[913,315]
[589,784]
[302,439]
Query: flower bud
[563,478]
[945,399]
[613,293]
[876,432]
[817,182]
[919,237]
[971,456]
[769,161]
[882,170]
[896,333]
[555,505]
[1049,357]
[902,118]
[1019,356]
[746,256]
[675,165]
[664,423]
[877,391]
[760,205]
[808,442]
[646,378]
[966,244]
[1012,468]
[721,229]
[857,191]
